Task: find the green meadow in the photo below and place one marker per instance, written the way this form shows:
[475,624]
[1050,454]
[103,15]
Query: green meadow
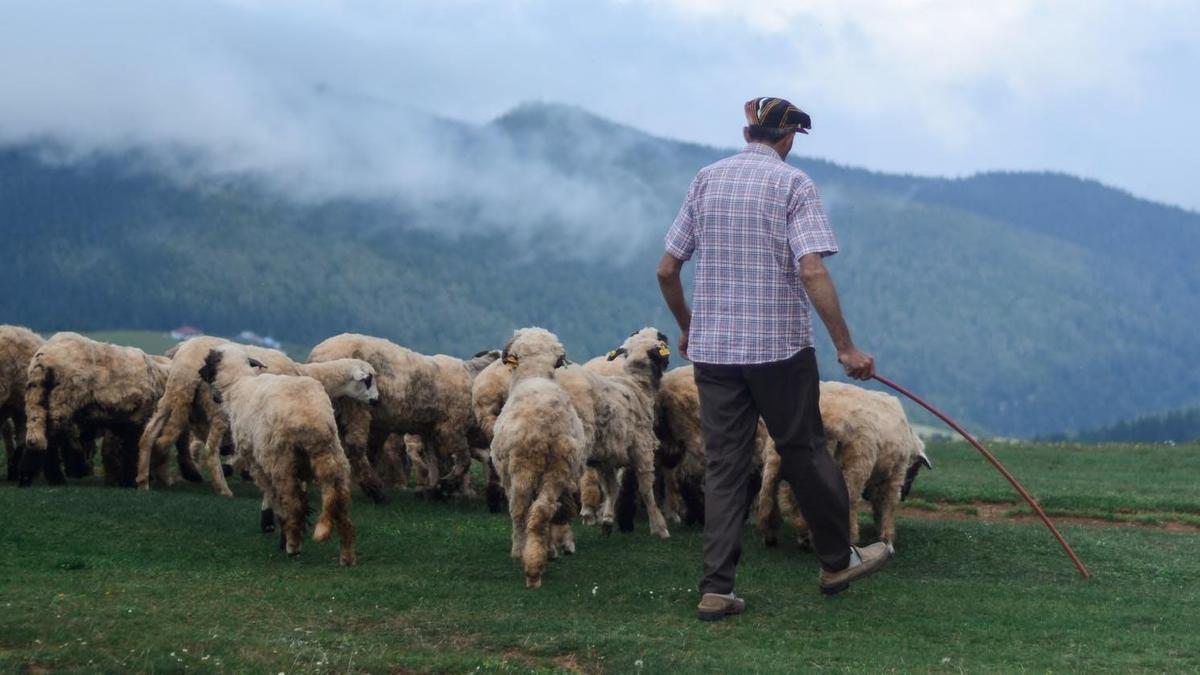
[96,579]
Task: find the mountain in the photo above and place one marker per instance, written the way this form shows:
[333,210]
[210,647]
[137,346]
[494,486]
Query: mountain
[1023,303]
[1175,426]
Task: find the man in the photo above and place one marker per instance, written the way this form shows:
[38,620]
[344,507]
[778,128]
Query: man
[759,233]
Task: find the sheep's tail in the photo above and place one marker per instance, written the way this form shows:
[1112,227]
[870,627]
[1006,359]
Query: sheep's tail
[537,531]
[37,413]
[332,472]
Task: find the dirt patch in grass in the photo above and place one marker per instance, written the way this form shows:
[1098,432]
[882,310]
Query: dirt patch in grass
[1019,512]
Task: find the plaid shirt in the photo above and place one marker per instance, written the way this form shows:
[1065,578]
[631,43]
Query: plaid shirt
[748,219]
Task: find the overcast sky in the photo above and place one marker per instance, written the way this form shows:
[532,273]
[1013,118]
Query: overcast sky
[1099,88]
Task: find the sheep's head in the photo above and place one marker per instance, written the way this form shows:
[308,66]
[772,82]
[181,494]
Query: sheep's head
[646,348]
[362,386]
[226,361]
[482,360]
[535,351]
[913,469]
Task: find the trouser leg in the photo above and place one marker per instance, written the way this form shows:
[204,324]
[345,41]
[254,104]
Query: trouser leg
[787,395]
[728,419]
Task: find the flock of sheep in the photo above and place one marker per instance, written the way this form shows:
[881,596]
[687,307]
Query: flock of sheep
[558,440]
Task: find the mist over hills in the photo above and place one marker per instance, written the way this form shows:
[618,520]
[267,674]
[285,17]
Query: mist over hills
[1028,304]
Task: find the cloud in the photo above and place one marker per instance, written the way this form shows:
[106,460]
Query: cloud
[333,97]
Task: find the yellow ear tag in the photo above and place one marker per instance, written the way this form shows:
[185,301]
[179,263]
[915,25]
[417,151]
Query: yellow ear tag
[510,361]
[663,350]
[612,355]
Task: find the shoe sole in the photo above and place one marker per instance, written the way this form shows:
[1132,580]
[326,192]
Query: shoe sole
[834,590]
[715,616]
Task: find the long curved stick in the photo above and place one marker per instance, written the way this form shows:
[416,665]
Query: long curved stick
[996,463]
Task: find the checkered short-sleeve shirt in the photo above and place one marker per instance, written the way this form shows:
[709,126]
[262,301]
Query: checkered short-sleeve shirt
[747,220]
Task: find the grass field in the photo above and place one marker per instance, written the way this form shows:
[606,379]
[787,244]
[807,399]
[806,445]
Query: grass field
[95,579]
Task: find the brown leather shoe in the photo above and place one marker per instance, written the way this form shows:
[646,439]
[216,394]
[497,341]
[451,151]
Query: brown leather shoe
[872,558]
[714,607]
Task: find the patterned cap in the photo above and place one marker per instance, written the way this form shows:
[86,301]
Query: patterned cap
[777,113]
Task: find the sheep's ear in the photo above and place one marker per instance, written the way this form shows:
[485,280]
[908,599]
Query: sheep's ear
[482,354]
[255,363]
[619,351]
[662,337]
[562,361]
[510,360]
[924,459]
[208,372]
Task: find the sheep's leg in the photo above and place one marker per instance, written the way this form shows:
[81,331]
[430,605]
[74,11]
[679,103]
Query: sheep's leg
[451,443]
[537,530]
[183,457]
[885,504]
[609,487]
[354,427]
[110,458]
[15,444]
[672,502]
[856,475]
[10,446]
[218,428]
[520,497]
[767,517]
[590,497]
[643,463]
[494,493]
[334,478]
[293,502]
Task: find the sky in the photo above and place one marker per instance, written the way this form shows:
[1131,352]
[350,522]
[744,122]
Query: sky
[1102,89]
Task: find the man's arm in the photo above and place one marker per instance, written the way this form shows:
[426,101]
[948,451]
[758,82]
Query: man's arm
[672,291]
[821,292]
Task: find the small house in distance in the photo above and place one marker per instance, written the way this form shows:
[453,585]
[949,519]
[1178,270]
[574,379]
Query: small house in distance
[186,332]
[252,338]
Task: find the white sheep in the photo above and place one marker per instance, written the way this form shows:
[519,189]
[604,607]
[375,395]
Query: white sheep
[868,434]
[284,427]
[537,447]
[77,388]
[425,395]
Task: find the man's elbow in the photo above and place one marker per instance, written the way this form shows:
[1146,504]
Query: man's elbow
[668,269]
[812,269]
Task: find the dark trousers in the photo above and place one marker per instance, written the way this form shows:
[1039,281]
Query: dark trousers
[786,394]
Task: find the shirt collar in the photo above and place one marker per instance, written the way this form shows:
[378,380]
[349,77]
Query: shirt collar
[761,149]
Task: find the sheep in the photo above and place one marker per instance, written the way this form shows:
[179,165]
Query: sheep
[186,404]
[419,394]
[880,455]
[77,387]
[681,450]
[488,394]
[284,427]
[538,449]
[17,347]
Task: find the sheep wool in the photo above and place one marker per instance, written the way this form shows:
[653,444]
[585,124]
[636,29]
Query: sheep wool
[17,347]
[78,387]
[538,450]
[418,394]
[284,427]
[868,434]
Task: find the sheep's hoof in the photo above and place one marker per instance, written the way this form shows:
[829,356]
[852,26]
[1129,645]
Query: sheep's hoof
[226,471]
[376,494]
[804,543]
[266,520]
[606,528]
[533,582]
[569,548]
[770,539]
[246,477]
[347,560]
[588,518]
[322,531]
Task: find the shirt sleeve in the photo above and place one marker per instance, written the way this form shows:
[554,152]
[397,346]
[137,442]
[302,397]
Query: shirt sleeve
[808,226]
[681,238]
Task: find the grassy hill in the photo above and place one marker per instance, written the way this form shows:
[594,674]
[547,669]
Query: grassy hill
[1026,304]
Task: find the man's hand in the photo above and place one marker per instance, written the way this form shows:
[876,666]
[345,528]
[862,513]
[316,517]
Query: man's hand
[672,291]
[683,343]
[858,364]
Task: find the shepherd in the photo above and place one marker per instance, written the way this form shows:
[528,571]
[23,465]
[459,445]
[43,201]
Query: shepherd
[759,234]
